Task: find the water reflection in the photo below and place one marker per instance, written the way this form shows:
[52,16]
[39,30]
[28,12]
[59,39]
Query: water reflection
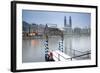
[34,42]
[33,50]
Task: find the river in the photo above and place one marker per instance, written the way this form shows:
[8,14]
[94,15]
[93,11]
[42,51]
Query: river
[33,50]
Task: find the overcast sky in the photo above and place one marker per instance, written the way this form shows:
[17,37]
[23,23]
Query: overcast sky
[43,17]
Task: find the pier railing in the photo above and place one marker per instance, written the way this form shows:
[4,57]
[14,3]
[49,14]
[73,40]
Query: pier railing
[82,56]
[75,53]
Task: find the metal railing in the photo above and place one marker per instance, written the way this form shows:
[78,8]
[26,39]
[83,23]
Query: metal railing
[83,55]
[75,57]
[74,53]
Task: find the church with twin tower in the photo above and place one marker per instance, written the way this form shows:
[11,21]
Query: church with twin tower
[68,25]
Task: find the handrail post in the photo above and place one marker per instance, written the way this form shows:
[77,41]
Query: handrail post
[71,59]
[58,57]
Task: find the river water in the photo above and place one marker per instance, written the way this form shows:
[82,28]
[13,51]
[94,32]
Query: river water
[33,50]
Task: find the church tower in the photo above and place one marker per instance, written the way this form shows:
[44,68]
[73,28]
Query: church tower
[65,22]
[70,22]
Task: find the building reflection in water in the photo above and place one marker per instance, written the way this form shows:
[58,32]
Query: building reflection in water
[34,42]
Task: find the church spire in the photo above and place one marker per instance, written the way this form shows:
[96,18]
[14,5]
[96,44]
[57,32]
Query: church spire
[70,21]
[65,22]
